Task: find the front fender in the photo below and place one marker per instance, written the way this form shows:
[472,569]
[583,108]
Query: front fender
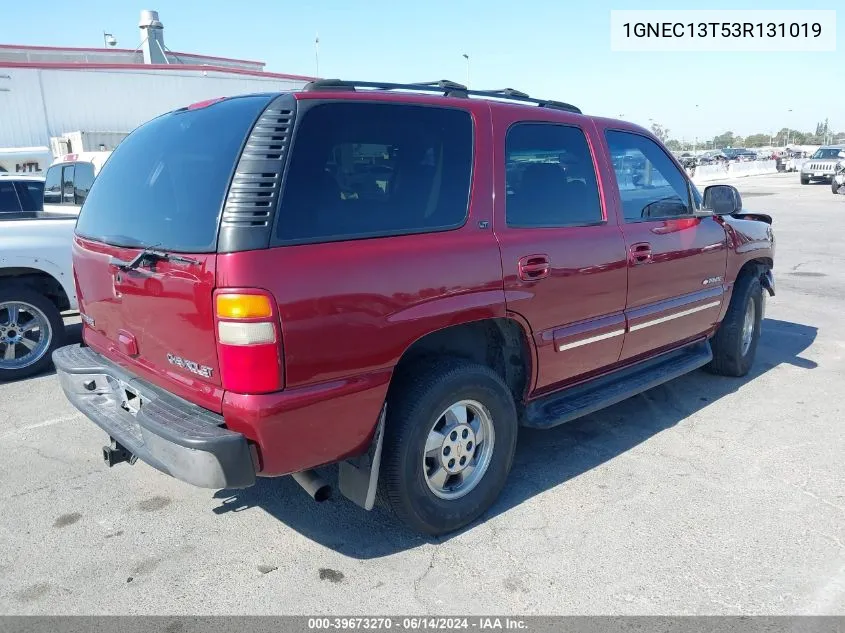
[751,238]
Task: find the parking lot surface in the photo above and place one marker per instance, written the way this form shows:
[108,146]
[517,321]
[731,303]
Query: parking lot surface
[707,495]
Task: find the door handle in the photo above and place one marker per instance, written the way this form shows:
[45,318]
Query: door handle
[534,267]
[640,253]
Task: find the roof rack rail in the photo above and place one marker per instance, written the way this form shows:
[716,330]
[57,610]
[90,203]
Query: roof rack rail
[443,84]
[509,92]
[329,84]
[448,88]
[518,95]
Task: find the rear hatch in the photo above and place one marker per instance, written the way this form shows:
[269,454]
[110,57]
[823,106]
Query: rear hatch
[162,189]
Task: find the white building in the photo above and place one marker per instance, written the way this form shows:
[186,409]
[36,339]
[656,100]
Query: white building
[51,98]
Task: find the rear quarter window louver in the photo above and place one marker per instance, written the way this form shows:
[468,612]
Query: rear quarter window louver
[253,195]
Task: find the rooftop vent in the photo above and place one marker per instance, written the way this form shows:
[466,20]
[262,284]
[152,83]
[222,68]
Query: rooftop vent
[152,38]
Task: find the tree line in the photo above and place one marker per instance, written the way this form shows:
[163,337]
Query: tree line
[823,134]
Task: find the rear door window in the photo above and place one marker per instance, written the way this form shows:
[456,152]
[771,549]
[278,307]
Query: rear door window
[8,197]
[53,185]
[82,180]
[551,180]
[164,184]
[369,170]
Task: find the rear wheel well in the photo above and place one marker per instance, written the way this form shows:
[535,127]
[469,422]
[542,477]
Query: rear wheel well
[500,344]
[39,281]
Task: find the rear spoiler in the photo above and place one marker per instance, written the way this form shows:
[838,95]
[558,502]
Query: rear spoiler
[760,217]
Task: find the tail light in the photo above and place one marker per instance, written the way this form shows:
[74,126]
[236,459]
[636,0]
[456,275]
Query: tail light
[81,308]
[248,341]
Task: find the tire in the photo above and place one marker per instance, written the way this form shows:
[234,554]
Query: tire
[730,356]
[34,306]
[805,181]
[834,187]
[417,404]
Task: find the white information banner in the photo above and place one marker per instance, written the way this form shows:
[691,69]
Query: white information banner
[723,30]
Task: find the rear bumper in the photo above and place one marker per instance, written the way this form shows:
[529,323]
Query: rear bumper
[168,433]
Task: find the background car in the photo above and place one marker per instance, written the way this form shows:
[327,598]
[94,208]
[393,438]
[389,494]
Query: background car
[739,154]
[36,286]
[837,184]
[20,194]
[711,157]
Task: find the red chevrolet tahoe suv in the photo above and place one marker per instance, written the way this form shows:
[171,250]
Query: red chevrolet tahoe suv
[394,278]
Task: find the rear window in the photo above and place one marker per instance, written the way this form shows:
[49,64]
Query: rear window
[31,193]
[8,197]
[368,170]
[164,184]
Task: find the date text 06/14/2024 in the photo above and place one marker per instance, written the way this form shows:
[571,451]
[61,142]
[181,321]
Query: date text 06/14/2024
[417,623]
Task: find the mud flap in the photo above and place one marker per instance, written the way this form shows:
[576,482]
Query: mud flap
[358,478]
[767,280]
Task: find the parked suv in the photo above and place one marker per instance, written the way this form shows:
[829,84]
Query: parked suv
[395,278]
[821,165]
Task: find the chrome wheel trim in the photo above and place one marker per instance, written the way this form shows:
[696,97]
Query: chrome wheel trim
[458,449]
[25,335]
[748,325]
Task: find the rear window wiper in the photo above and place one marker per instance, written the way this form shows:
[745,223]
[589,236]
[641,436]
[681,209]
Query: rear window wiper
[152,255]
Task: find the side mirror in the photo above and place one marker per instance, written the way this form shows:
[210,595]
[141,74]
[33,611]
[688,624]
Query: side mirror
[722,199]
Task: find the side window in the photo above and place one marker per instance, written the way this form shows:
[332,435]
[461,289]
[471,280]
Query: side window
[53,185]
[551,181]
[8,197]
[82,181]
[650,185]
[31,194]
[368,170]
[67,184]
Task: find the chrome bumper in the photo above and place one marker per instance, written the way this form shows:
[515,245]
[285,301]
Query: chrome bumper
[168,433]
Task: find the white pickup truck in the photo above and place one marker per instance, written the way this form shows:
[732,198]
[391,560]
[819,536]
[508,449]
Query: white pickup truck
[69,180]
[36,286]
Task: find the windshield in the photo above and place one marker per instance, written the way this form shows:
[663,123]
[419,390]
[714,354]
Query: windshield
[164,184]
[827,152]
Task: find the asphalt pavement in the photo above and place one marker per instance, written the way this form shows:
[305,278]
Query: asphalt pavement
[707,495]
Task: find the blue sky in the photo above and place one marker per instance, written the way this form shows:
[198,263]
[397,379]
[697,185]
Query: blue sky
[558,49]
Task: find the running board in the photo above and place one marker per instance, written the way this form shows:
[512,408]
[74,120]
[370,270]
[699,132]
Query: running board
[602,392]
